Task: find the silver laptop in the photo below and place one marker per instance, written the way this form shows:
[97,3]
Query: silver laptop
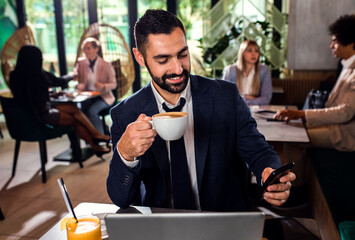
[186,226]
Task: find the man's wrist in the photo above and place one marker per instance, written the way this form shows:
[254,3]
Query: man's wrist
[130,164]
[123,154]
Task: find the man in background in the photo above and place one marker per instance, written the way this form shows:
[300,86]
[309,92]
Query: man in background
[334,125]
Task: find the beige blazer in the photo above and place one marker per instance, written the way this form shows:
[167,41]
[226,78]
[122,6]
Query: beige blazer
[339,113]
[105,74]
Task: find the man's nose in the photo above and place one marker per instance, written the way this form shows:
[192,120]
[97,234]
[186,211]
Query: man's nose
[176,66]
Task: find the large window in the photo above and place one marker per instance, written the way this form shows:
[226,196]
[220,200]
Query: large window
[40,15]
[191,13]
[144,5]
[114,13]
[75,21]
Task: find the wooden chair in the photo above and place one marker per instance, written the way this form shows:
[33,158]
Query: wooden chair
[23,125]
[115,50]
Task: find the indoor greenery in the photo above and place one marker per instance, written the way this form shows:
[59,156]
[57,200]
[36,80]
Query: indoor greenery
[211,53]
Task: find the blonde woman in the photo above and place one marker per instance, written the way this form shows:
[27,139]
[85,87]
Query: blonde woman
[252,78]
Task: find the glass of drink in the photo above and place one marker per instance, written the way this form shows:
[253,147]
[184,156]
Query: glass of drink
[87,228]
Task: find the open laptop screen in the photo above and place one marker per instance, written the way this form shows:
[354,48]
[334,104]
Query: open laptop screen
[186,226]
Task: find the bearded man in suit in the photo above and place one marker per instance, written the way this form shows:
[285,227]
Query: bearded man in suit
[220,129]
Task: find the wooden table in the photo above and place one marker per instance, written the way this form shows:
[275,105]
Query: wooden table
[294,131]
[67,96]
[77,97]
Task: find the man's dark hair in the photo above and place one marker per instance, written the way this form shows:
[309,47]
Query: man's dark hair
[344,29]
[154,21]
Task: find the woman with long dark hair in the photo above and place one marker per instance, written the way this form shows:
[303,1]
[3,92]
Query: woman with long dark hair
[29,84]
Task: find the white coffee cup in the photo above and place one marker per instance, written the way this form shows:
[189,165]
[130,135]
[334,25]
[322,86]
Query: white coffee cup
[170,125]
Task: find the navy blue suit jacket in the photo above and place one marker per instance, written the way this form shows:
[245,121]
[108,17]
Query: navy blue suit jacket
[223,130]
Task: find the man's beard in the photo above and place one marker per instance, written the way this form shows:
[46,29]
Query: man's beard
[172,88]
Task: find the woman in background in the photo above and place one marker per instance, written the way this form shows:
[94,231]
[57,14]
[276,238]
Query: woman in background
[95,74]
[29,84]
[252,78]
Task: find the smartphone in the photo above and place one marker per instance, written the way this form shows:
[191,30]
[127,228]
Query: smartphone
[274,178]
[274,120]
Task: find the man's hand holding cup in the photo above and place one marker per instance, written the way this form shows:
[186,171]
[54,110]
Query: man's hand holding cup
[137,138]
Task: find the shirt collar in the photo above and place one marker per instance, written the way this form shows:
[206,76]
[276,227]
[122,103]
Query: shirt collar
[160,100]
[346,63]
[251,73]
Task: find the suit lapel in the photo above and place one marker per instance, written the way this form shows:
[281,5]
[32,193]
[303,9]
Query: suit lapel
[202,109]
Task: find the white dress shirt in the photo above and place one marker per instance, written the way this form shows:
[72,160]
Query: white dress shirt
[247,82]
[346,64]
[188,137]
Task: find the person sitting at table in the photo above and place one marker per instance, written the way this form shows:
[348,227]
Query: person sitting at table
[252,78]
[29,84]
[333,126]
[95,74]
[203,174]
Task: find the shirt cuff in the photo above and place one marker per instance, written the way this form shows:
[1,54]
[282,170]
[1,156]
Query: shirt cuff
[130,164]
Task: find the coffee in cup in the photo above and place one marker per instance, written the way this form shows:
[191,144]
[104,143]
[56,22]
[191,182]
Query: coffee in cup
[170,125]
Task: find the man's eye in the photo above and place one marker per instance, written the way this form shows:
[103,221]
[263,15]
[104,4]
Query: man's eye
[182,55]
[163,61]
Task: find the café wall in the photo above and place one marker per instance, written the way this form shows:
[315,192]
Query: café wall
[308,37]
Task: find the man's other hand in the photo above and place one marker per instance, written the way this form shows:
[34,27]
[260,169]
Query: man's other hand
[277,194]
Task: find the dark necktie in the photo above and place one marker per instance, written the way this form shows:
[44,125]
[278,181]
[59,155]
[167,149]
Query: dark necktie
[181,185]
[92,63]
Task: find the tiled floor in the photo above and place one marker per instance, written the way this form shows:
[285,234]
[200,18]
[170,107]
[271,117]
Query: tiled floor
[30,207]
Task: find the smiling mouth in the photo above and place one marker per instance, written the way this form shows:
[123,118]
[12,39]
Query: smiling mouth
[174,78]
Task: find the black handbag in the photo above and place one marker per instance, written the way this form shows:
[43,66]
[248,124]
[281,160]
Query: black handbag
[316,99]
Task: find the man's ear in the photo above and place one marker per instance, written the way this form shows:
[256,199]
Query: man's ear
[139,57]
